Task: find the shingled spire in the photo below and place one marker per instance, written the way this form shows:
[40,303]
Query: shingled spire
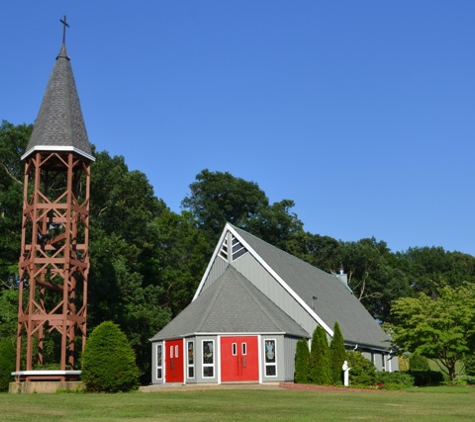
[60,124]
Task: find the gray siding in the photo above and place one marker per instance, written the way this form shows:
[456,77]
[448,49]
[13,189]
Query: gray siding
[218,268]
[290,347]
[265,282]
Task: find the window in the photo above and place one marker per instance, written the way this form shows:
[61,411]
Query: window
[383,356]
[191,359]
[176,351]
[171,352]
[234,250]
[244,349]
[208,358]
[234,349]
[270,358]
[159,361]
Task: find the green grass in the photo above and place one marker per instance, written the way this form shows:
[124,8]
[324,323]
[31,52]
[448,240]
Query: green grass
[244,405]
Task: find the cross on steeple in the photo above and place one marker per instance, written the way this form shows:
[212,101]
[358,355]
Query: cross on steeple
[65,24]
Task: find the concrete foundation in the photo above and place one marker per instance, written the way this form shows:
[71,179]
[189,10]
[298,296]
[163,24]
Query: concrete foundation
[43,387]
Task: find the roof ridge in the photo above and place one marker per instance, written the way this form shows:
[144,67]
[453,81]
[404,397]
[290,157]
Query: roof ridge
[278,249]
[211,302]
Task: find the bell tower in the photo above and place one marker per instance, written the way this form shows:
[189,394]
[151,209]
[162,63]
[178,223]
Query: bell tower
[54,260]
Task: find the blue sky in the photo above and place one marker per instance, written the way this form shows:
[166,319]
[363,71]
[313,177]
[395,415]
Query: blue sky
[362,112]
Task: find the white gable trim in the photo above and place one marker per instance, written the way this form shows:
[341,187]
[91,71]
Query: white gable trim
[210,265]
[300,301]
[58,148]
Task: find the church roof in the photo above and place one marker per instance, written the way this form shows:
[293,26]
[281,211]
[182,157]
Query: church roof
[232,304]
[334,301]
[60,124]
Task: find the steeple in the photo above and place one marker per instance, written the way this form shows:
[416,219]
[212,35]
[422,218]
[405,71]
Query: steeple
[60,124]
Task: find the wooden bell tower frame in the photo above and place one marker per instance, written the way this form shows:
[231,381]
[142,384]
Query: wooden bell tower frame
[54,261]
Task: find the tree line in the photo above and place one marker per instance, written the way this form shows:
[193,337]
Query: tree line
[147,260]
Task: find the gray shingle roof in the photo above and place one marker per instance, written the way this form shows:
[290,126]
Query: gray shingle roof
[334,303]
[60,124]
[232,304]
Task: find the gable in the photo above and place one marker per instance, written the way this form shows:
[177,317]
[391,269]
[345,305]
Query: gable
[232,304]
[307,294]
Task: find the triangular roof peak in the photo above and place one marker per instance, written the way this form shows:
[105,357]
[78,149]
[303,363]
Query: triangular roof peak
[60,124]
[321,295]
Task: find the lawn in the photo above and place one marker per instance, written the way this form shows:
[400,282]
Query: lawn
[452,404]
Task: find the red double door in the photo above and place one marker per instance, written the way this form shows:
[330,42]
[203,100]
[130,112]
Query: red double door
[239,359]
[174,361]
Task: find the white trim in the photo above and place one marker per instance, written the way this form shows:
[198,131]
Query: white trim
[208,365]
[210,264]
[159,365]
[44,372]
[59,148]
[275,359]
[188,366]
[259,357]
[218,356]
[282,282]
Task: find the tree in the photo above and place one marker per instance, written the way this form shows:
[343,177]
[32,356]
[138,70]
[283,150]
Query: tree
[441,328]
[320,371]
[373,276]
[337,353]
[7,362]
[13,141]
[179,253]
[302,362]
[108,361]
[430,268]
[217,198]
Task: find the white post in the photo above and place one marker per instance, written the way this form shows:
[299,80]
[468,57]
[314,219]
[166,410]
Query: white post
[346,374]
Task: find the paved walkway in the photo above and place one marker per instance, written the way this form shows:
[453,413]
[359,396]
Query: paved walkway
[189,387]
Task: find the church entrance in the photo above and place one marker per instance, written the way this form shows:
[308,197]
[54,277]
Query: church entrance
[174,361]
[239,359]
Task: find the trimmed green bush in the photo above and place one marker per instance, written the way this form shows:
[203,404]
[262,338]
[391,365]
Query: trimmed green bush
[302,362]
[337,354]
[418,363]
[362,371]
[7,362]
[108,361]
[320,371]
[426,378]
[394,380]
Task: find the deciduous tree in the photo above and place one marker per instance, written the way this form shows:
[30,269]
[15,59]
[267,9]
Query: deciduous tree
[441,328]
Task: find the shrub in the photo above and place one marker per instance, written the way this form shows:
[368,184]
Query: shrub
[362,371]
[108,361]
[418,363]
[302,364]
[320,371]
[403,362]
[425,378]
[394,380]
[7,362]
[337,354]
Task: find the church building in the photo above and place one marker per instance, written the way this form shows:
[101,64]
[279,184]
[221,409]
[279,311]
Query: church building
[251,307]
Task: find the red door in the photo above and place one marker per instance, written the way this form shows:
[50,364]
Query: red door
[239,359]
[174,361]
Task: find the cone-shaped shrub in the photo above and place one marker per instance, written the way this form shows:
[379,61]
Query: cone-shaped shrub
[7,362]
[362,370]
[320,372]
[302,362]
[337,354]
[108,361]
